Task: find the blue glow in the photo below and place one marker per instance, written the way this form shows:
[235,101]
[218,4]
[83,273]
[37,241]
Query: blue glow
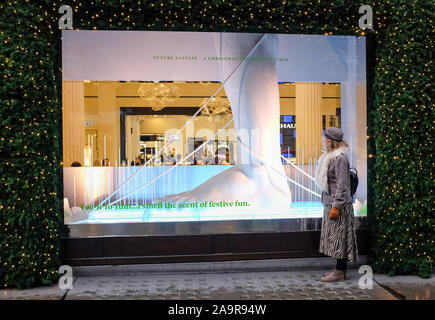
[298,209]
[288,119]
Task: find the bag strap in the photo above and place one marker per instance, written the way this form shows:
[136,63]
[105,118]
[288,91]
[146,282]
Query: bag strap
[356,172]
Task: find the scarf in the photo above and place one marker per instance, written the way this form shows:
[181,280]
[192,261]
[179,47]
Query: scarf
[323,165]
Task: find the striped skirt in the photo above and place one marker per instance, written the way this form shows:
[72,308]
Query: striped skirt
[338,237]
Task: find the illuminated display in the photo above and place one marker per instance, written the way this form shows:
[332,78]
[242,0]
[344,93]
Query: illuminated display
[233,132]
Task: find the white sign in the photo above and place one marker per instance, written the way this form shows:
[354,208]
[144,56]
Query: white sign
[288,126]
[194,56]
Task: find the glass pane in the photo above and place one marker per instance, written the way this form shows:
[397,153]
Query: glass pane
[232,122]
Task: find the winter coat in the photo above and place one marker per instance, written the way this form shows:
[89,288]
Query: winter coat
[333,178]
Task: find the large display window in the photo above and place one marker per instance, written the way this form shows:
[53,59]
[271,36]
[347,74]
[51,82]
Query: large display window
[166,127]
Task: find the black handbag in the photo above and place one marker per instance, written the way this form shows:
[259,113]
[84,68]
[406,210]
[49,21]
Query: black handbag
[353,181]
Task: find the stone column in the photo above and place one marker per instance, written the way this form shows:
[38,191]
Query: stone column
[73,121]
[308,121]
[108,121]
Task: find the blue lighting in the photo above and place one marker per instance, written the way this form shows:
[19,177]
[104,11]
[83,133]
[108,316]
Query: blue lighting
[298,209]
[288,119]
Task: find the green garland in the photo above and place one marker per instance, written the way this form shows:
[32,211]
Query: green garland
[404,221]
[400,115]
[30,209]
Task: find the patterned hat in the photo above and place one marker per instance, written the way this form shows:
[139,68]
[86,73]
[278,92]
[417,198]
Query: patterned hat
[334,133]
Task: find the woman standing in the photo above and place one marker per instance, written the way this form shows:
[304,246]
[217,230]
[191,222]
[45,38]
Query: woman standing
[338,238]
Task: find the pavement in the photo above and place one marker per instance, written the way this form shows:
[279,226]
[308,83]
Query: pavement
[207,281]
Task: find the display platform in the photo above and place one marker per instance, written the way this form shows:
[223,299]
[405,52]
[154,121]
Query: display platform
[300,209]
[183,242]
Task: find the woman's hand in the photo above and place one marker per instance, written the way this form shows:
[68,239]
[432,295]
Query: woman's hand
[333,213]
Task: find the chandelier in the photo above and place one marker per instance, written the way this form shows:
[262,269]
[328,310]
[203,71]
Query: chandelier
[217,109]
[158,95]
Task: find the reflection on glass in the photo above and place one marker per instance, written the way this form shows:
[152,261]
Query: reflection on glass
[147,130]
[131,143]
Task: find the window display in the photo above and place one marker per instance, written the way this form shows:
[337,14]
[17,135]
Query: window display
[184,126]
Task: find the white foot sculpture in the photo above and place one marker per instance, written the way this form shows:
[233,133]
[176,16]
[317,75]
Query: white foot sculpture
[253,94]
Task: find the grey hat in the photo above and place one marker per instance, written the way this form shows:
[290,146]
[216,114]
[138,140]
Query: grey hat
[334,133]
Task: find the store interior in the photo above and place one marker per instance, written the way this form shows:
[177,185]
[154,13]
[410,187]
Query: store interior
[113,129]
[91,128]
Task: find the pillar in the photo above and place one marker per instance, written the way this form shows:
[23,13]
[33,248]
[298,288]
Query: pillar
[73,115]
[108,121]
[308,122]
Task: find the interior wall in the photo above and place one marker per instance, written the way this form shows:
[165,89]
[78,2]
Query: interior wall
[100,103]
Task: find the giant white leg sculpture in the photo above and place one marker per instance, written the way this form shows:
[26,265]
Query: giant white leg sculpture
[253,94]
